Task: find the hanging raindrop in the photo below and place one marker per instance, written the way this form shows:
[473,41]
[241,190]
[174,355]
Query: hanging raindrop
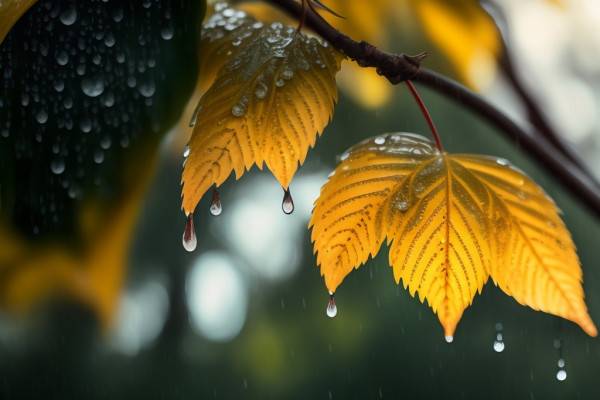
[288,203]
[499,340]
[215,205]
[331,307]
[189,234]
[449,338]
[561,374]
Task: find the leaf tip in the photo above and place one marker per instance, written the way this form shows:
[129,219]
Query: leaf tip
[588,326]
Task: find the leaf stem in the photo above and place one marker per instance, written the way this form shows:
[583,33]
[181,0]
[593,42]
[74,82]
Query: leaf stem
[426,115]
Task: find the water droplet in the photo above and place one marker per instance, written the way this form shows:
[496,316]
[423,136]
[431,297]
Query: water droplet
[186,151]
[287,205]
[261,90]
[85,124]
[62,58]
[57,166]
[499,340]
[41,116]
[194,118]
[561,375]
[166,33]
[287,74]
[238,110]
[98,156]
[105,142]
[498,346]
[189,234]
[331,307]
[503,162]
[108,99]
[215,205]
[147,89]
[92,87]
[109,40]
[402,205]
[59,85]
[117,14]
[68,16]
[561,363]
[449,338]
[380,140]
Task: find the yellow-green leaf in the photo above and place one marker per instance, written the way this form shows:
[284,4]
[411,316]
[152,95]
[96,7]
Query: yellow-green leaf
[10,12]
[452,221]
[273,94]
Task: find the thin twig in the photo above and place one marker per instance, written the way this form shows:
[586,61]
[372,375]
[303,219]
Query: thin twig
[536,116]
[401,67]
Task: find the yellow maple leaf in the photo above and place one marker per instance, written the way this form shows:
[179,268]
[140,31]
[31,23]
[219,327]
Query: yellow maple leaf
[452,221]
[10,12]
[362,20]
[273,94]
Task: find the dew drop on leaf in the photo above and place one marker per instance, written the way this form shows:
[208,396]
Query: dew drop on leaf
[215,205]
[167,33]
[92,87]
[287,205]
[147,89]
[57,166]
[98,156]
[41,117]
[261,90]
[195,115]
[561,375]
[238,110]
[62,58]
[68,16]
[189,234]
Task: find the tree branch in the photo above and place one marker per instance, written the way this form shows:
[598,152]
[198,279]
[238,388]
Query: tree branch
[534,113]
[398,68]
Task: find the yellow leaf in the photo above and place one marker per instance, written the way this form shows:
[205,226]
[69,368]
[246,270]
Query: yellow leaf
[10,12]
[274,93]
[466,34]
[365,85]
[363,21]
[452,221]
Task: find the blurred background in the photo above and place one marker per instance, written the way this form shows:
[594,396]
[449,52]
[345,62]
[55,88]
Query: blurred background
[98,299]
